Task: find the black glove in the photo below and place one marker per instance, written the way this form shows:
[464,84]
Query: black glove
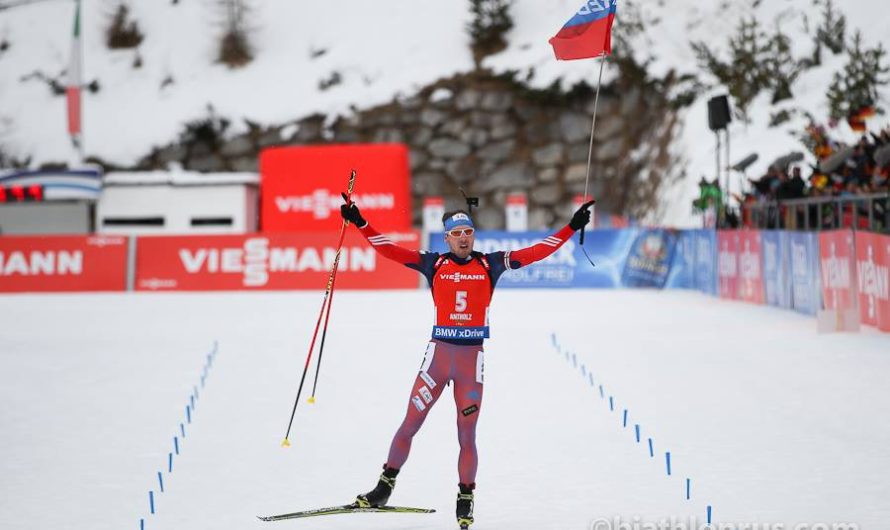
[350,212]
[582,216]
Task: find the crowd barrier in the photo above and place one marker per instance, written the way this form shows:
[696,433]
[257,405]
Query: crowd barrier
[838,270]
[803,271]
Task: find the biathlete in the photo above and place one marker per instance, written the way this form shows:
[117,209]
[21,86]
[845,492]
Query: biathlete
[462,282]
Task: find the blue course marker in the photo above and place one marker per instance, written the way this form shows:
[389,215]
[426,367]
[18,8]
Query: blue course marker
[637,429]
[624,422]
[176,444]
[709,514]
[667,458]
[151,501]
[574,360]
[192,400]
[188,413]
[161,481]
[169,462]
[195,390]
[141,524]
[611,404]
[583,369]
[590,377]
[688,488]
[602,395]
[182,429]
[651,452]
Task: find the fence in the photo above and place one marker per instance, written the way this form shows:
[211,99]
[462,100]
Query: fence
[862,212]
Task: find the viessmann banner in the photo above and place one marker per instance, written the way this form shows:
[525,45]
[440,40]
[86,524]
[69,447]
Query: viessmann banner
[622,258]
[267,262]
[873,278]
[62,263]
[301,186]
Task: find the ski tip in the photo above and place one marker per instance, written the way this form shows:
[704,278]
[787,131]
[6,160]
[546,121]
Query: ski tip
[311,400]
[285,443]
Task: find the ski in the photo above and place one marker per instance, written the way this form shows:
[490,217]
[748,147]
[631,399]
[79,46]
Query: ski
[346,508]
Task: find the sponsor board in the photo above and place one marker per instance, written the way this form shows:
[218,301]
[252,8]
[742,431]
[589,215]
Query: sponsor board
[750,282]
[776,268]
[705,277]
[630,257]
[267,262]
[63,263]
[873,279]
[728,264]
[682,275]
[803,253]
[837,267]
[301,186]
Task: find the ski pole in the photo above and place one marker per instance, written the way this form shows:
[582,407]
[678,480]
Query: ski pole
[324,328]
[327,316]
[324,302]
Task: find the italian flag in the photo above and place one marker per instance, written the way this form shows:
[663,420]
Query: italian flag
[74,78]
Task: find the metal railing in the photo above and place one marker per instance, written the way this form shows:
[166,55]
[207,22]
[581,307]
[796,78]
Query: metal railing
[864,212]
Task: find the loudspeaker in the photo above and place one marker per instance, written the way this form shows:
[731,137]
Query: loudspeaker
[718,113]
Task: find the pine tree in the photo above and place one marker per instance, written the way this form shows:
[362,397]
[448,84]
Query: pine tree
[781,68]
[857,86]
[121,31]
[832,32]
[234,49]
[746,73]
[757,61]
[491,21]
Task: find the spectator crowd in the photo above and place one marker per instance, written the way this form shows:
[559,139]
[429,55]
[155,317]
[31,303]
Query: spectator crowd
[841,172]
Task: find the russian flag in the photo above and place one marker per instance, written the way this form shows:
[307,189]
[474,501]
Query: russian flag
[588,33]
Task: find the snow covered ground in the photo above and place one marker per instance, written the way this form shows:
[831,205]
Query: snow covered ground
[772,422]
[382,49]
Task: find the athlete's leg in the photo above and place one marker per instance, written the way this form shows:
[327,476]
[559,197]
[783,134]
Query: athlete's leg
[431,380]
[468,384]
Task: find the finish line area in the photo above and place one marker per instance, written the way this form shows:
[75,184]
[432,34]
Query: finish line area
[760,414]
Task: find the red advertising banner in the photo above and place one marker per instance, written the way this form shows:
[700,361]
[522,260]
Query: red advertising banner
[268,262]
[301,186]
[728,264]
[836,261]
[873,280]
[750,284]
[62,263]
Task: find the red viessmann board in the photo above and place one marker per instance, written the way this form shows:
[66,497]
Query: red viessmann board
[62,263]
[268,262]
[301,186]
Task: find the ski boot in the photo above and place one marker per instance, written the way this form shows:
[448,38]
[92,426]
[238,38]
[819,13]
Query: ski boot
[379,496]
[465,506]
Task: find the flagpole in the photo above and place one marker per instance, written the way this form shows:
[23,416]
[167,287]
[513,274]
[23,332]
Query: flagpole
[75,86]
[596,101]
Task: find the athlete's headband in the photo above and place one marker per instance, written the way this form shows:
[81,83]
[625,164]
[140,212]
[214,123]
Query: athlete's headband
[458,219]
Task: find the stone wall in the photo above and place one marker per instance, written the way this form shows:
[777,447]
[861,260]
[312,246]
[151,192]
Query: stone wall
[490,136]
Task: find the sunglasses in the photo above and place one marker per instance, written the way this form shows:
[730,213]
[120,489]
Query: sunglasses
[461,232]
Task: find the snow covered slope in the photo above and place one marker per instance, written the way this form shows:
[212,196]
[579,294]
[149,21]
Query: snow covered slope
[381,49]
[784,426]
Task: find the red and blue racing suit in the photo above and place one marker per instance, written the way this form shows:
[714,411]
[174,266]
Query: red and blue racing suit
[462,291]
